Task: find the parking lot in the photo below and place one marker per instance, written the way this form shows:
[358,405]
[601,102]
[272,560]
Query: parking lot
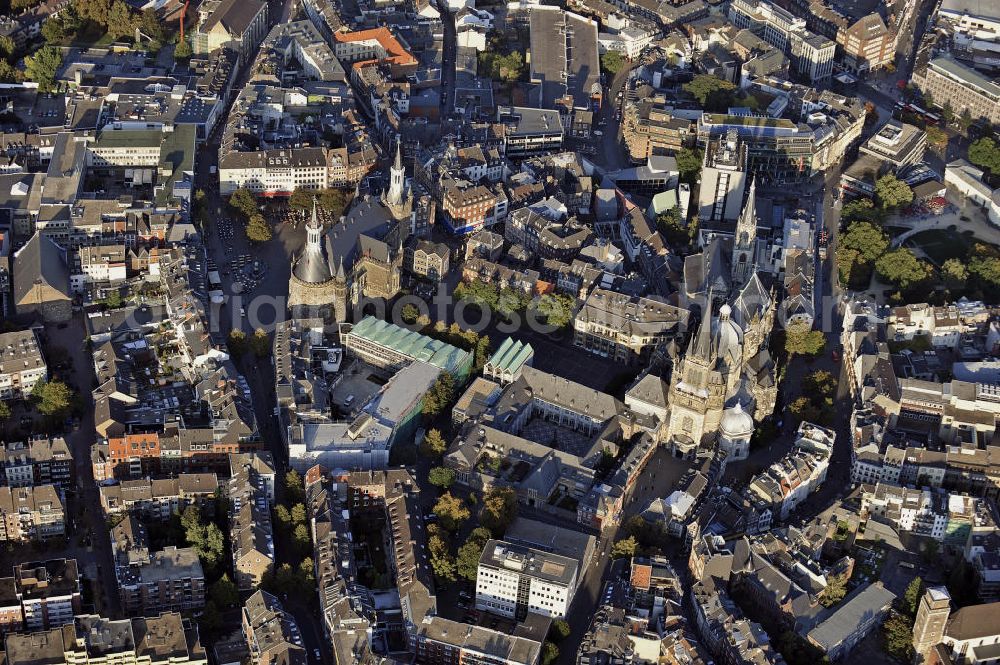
[358,380]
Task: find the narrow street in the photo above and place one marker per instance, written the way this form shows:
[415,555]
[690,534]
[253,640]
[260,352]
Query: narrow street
[95,560]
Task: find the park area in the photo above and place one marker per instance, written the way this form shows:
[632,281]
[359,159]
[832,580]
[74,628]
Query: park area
[941,244]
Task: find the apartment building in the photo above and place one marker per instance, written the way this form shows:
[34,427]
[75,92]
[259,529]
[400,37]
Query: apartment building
[236,24]
[22,364]
[944,517]
[649,128]
[867,44]
[779,151]
[49,592]
[167,639]
[430,260]
[444,642]
[625,328]
[271,633]
[31,514]
[39,461]
[966,90]
[171,580]
[811,54]
[468,206]
[158,499]
[250,491]
[99,264]
[513,580]
[787,482]
[529,131]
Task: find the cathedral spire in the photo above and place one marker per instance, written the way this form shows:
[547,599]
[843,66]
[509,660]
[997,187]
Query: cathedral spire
[397,178]
[745,241]
[702,343]
[314,230]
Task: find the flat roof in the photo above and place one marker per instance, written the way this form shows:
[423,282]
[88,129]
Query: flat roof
[527,560]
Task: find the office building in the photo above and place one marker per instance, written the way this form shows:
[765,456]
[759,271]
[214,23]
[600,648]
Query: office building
[513,580]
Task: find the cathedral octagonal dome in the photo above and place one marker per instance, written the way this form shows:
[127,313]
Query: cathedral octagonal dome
[736,423]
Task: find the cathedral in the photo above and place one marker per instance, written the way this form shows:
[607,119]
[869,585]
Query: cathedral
[360,257]
[725,382]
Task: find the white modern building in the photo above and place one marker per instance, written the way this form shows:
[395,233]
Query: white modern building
[513,580]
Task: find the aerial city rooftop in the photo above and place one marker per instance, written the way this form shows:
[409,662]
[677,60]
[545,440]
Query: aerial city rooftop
[450,332]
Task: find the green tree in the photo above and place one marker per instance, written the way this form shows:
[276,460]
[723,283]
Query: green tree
[443,563]
[467,560]
[819,383]
[258,230]
[410,312]
[97,11]
[801,339]
[624,548]
[450,511]
[482,351]
[237,342]
[902,268]
[4,411]
[7,46]
[298,514]
[441,476]
[965,120]
[440,396]
[612,62]
[53,31]
[41,67]
[260,343]
[294,488]
[689,164]
[898,631]
[911,597]
[955,273]
[283,517]
[834,592]
[52,398]
[302,199]
[550,653]
[510,66]
[243,202]
[335,201]
[670,224]
[303,543]
[150,25]
[862,210]
[712,93]
[891,192]
[223,592]
[121,23]
[499,509]
[183,50]
[557,308]
[867,239]
[985,152]
[936,136]
[803,409]
[559,630]
[433,444]
[8,73]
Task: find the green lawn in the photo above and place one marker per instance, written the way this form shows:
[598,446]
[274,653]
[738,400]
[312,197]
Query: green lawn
[91,34]
[941,244]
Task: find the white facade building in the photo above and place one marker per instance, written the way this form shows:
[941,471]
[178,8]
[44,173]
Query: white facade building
[513,580]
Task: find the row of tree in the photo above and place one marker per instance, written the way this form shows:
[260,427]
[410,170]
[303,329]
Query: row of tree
[499,507]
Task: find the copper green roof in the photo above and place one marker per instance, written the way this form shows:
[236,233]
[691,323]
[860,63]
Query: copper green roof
[511,355]
[411,344]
